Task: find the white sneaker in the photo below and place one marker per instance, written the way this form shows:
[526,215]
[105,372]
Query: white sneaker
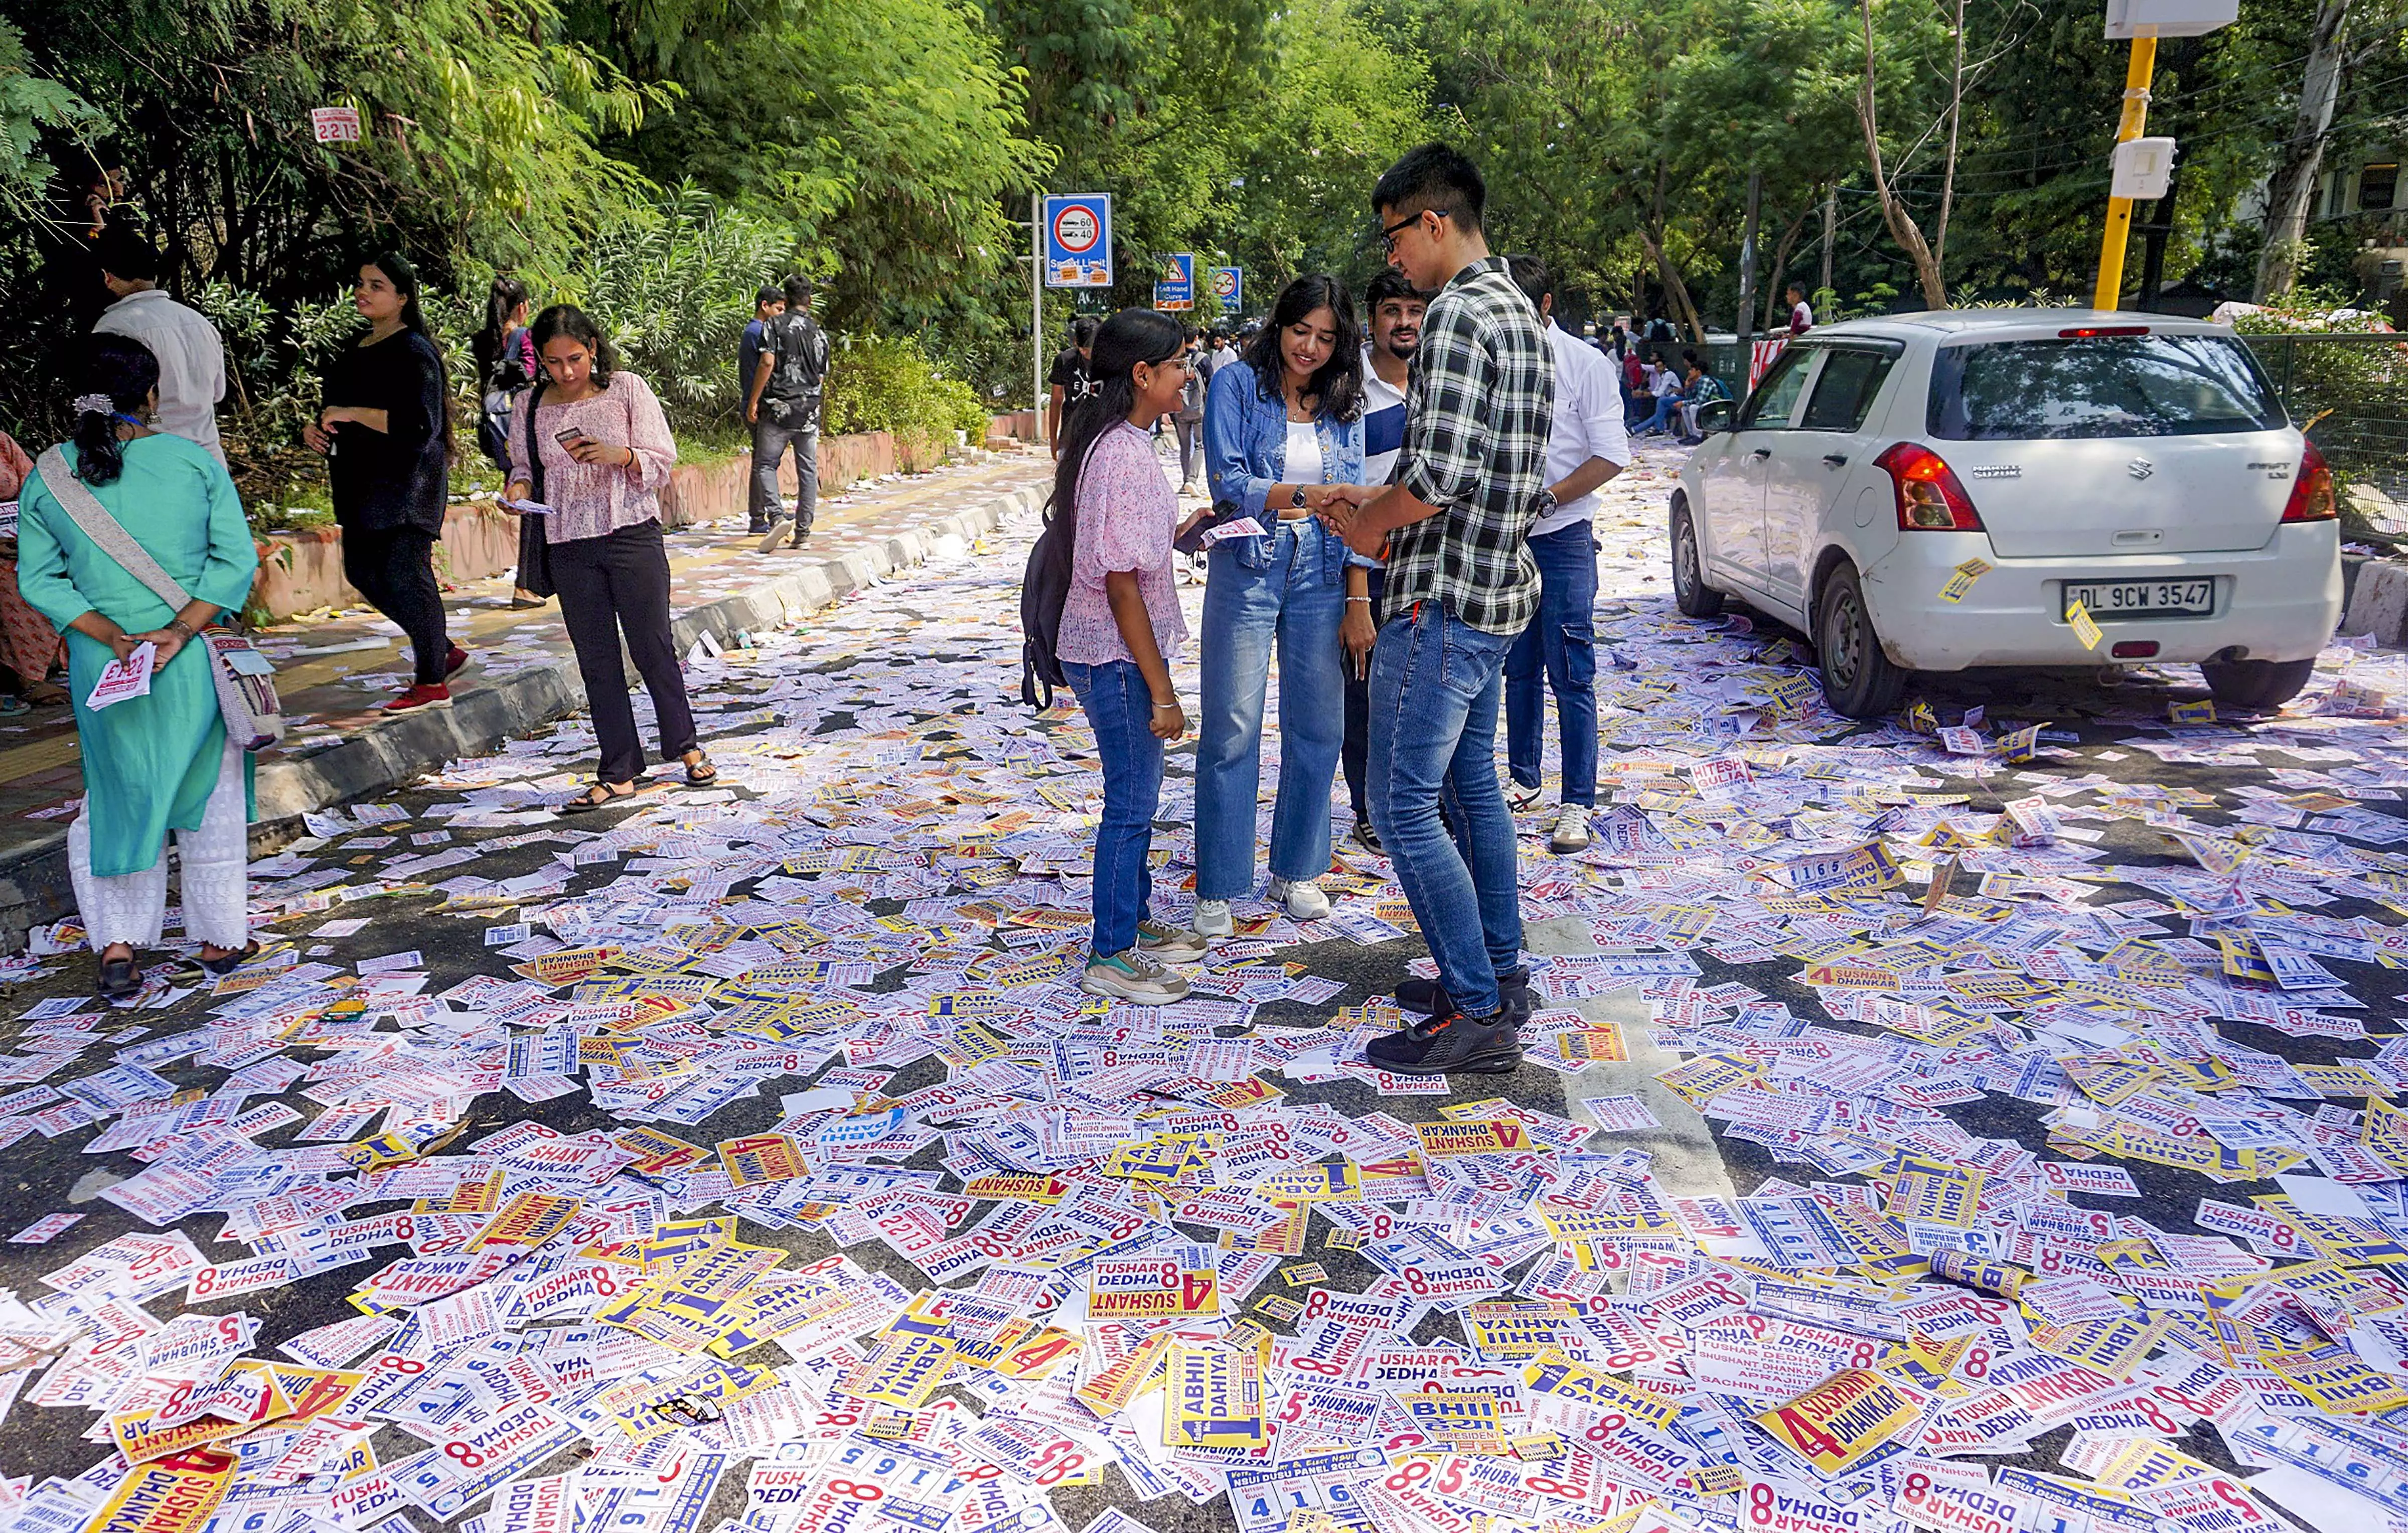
[1133,977]
[1303,898]
[1571,831]
[1521,800]
[1212,918]
[1169,944]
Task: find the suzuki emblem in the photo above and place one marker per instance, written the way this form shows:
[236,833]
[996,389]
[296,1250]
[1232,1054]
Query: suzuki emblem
[2141,467]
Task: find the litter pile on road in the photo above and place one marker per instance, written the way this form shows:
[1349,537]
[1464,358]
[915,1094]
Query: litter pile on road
[875,1223]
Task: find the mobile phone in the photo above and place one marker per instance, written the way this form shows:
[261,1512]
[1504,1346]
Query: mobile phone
[569,435]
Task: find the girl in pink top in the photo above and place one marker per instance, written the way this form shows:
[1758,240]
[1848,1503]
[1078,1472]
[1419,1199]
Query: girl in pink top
[1120,624]
[602,451]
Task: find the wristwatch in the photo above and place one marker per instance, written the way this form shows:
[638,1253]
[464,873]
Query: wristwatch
[1295,498]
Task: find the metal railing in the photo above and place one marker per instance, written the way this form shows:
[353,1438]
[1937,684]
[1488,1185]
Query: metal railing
[2350,393]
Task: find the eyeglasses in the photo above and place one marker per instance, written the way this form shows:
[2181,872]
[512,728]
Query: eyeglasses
[1389,232]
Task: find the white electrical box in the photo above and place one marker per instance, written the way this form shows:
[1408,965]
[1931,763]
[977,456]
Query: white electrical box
[2144,168]
[2128,19]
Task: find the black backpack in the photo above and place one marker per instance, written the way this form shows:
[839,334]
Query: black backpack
[1044,585]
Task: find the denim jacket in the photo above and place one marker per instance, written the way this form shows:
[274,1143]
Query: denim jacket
[1245,453]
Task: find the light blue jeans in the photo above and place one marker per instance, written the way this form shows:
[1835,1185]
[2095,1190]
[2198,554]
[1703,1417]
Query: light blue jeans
[1436,684]
[1293,603]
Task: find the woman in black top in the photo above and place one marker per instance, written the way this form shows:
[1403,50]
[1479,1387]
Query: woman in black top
[386,431]
[506,365]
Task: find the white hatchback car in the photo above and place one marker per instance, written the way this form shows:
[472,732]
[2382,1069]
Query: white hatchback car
[1936,492]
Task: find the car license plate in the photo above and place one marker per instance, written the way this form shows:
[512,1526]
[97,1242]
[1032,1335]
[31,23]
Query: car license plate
[2107,600]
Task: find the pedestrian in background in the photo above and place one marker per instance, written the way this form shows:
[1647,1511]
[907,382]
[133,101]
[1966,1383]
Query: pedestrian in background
[589,441]
[789,383]
[1802,314]
[162,760]
[1189,420]
[1282,425]
[1461,587]
[768,302]
[1395,308]
[192,359]
[386,431]
[1120,625]
[505,365]
[1070,380]
[29,646]
[1586,445]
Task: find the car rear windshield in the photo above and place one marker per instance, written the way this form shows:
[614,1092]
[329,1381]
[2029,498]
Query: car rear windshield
[2099,386]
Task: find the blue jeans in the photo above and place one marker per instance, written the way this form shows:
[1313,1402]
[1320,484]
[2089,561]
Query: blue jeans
[1562,641]
[1667,408]
[1294,603]
[1119,709]
[1435,684]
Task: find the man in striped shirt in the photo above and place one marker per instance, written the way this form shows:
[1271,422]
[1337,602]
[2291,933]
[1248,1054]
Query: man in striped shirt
[1461,587]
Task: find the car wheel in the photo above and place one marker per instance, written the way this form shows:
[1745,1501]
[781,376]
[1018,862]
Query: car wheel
[1689,589]
[1858,680]
[2257,683]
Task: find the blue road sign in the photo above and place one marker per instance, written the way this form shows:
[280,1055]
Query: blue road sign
[1079,240]
[1175,287]
[1230,286]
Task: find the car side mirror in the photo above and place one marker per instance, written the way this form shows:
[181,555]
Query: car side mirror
[1714,416]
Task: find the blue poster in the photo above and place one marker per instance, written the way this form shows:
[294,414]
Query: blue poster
[1175,286]
[1230,286]
[1079,240]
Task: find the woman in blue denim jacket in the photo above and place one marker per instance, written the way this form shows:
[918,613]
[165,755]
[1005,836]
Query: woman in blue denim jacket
[1281,426]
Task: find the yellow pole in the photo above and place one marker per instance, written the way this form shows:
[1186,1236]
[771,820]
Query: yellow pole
[2119,209]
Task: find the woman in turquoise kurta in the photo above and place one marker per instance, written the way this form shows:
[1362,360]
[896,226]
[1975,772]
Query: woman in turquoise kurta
[159,762]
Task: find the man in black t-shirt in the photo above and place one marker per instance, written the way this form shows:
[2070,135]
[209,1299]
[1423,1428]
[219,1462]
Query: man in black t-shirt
[1071,380]
[783,410]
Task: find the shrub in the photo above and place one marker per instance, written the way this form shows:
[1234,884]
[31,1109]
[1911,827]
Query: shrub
[885,383]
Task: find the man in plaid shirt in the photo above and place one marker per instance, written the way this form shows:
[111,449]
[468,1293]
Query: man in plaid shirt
[1462,586]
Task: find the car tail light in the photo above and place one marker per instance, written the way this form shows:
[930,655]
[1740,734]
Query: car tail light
[1930,499]
[2091,332]
[2134,649]
[2311,489]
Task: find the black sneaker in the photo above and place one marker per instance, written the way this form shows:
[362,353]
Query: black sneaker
[1428,997]
[1450,1045]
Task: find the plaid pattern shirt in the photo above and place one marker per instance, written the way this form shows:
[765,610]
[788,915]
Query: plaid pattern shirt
[1477,413]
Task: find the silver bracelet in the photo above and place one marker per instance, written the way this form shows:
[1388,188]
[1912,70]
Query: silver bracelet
[1364,600]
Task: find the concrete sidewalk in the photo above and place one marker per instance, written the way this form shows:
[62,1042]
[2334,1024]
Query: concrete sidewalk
[336,670]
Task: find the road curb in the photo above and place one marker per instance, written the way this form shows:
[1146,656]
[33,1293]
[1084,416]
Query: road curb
[35,888]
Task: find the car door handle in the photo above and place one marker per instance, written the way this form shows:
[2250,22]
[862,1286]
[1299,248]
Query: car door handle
[1760,454]
[1835,460]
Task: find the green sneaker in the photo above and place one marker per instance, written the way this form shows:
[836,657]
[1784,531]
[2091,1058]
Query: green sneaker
[1132,976]
[1168,944]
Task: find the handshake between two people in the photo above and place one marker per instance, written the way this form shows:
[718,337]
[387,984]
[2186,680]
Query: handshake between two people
[1340,509]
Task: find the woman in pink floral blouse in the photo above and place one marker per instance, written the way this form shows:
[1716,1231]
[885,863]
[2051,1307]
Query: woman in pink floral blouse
[590,447]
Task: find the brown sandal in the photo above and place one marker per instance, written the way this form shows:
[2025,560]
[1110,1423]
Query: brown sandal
[602,795]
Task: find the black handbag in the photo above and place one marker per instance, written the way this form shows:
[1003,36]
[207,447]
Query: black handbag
[535,547]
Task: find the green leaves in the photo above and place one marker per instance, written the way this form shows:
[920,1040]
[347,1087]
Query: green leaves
[28,103]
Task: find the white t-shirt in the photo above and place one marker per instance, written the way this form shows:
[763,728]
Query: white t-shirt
[1303,455]
[1802,319]
[1587,423]
[192,362]
[1383,425]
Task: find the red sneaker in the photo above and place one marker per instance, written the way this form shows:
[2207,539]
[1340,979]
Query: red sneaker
[452,662]
[422,695]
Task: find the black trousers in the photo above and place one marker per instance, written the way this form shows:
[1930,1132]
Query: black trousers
[393,567]
[613,584]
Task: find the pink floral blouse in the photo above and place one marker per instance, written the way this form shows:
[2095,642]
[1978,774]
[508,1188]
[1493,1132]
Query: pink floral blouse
[1127,516]
[591,500]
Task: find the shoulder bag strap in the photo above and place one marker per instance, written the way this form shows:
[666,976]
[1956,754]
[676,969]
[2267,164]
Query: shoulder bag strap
[535,453]
[88,513]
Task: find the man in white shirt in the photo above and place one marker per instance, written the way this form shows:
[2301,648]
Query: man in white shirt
[1586,445]
[1802,317]
[1394,307]
[192,360]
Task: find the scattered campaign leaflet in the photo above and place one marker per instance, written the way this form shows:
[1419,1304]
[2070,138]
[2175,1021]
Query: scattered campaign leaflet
[750,1160]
